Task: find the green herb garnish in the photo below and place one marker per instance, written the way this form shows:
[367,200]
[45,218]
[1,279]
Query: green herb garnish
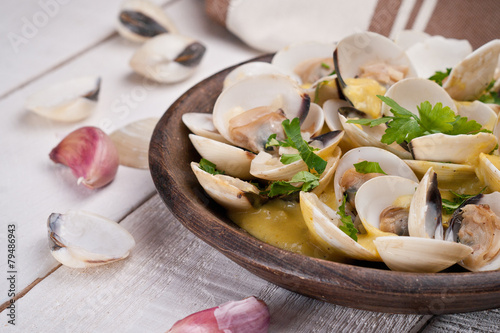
[404,126]
[313,161]
[438,76]
[347,227]
[281,187]
[209,167]
[490,97]
[449,206]
[368,167]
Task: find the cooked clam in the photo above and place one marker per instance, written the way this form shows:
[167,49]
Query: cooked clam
[202,124]
[168,58]
[140,20]
[476,223]
[67,101]
[250,69]
[81,239]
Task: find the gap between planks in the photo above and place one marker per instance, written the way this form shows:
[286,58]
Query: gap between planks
[68,60]
[38,280]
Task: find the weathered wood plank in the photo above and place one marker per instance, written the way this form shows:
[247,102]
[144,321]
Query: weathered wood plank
[34,187]
[169,275]
[481,321]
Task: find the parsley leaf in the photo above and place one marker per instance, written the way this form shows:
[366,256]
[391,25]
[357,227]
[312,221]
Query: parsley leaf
[368,167]
[347,227]
[449,206]
[404,126]
[490,97]
[292,131]
[281,187]
[289,158]
[209,167]
[438,76]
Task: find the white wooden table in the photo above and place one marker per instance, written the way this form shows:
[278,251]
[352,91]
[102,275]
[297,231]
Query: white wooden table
[170,273]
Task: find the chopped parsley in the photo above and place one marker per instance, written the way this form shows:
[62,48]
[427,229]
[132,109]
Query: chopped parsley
[209,167]
[490,97]
[404,126]
[347,227]
[449,206]
[438,76]
[281,187]
[368,167]
[294,139]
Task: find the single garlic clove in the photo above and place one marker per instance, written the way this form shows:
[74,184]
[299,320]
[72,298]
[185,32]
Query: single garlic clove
[249,315]
[168,58]
[81,239]
[132,142]
[68,101]
[91,155]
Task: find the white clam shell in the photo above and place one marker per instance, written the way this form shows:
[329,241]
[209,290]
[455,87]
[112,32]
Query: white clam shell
[323,222]
[291,57]
[81,239]
[67,101]
[479,112]
[471,76]
[250,69]
[231,193]
[364,48]
[410,93]
[390,163]
[168,58]
[460,149]
[488,172]
[132,142]
[424,219]
[378,193]
[202,124]
[234,161]
[437,53]
[421,255]
[330,108]
[253,92]
[446,172]
[265,166]
[139,20]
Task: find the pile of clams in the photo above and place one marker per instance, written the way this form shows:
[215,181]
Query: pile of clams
[433,200]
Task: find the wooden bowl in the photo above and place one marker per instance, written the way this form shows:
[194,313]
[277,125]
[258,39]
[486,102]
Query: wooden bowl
[365,286]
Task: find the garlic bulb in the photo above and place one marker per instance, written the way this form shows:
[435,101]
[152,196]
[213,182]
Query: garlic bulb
[91,155]
[248,315]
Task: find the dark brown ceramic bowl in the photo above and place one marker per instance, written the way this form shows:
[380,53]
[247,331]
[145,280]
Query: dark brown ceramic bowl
[364,285]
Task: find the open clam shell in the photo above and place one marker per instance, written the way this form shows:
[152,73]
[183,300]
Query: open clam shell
[249,111]
[390,164]
[323,224]
[305,62]
[234,161]
[250,69]
[476,223]
[409,93]
[460,149]
[421,255]
[266,166]
[447,173]
[478,111]
[403,253]
[488,171]
[468,79]
[202,124]
[81,239]
[231,193]
[140,20]
[168,58]
[425,215]
[67,101]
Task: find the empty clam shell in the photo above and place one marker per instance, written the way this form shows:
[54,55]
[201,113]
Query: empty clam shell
[132,142]
[168,58]
[67,101]
[140,20]
[202,124]
[81,239]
